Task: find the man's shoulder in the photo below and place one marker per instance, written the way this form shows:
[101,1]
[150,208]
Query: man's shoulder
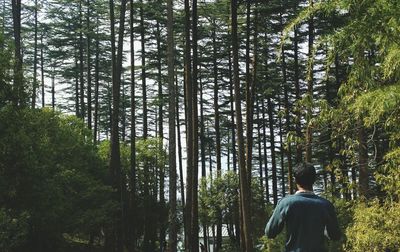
[304,197]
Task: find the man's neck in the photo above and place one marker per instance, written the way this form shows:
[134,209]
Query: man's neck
[304,189]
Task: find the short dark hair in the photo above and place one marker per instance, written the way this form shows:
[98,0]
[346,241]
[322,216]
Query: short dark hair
[304,174]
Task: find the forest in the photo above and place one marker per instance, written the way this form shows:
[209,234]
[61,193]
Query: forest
[175,125]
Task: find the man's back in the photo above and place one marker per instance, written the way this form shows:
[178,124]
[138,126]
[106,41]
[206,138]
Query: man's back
[306,216]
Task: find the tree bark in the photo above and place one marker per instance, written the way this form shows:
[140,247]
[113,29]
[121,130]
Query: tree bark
[42,71]
[173,219]
[18,98]
[89,76]
[189,133]
[195,210]
[246,244]
[81,67]
[310,81]
[132,231]
[273,158]
[288,152]
[115,159]
[97,85]
[35,59]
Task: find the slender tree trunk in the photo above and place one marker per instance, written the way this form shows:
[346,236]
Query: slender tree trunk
[195,142]
[189,132]
[232,111]
[89,76]
[217,132]
[81,66]
[42,71]
[97,84]
[310,81]
[143,50]
[115,159]
[18,73]
[288,152]
[273,158]
[53,91]
[246,244]
[77,107]
[132,225]
[163,219]
[297,95]
[147,243]
[282,156]
[173,218]
[202,133]
[236,213]
[259,125]
[202,150]
[35,59]
[178,128]
[265,151]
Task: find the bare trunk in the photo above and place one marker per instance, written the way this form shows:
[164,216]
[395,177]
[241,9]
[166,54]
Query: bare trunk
[246,244]
[35,59]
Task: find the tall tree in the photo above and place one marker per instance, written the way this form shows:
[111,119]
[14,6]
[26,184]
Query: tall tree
[88,66]
[246,241]
[195,142]
[310,89]
[132,232]
[18,74]
[189,132]
[81,64]
[35,54]
[173,218]
[217,130]
[115,158]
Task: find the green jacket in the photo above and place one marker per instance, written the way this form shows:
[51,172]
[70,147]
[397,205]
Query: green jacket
[308,219]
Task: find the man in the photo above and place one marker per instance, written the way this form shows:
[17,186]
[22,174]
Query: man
[307,216]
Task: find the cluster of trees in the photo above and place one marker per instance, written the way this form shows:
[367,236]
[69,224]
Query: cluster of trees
[239,91]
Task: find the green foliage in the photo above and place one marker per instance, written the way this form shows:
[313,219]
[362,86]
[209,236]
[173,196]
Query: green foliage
[375,227]
[14,229]
[6,56]
[389,176]
[51,177]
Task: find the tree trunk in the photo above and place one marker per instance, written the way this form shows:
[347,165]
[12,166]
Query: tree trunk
[35,59]
[81,68]
[297,95]
[217,132]
[189,133]
[97,84]
[18,98]
[178,128]
[115,159]
[89,76]
[42,71]
[246,244]
[265,151]
[287,114]
[273,158]
[282,156]
[173,218]
[53,91]
[195,210]
[310,81]
[77,107]
[132,225]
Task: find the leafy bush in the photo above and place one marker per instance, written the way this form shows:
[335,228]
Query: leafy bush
[51,180]
[375,228]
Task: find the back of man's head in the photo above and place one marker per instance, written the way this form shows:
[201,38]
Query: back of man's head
[304,174]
